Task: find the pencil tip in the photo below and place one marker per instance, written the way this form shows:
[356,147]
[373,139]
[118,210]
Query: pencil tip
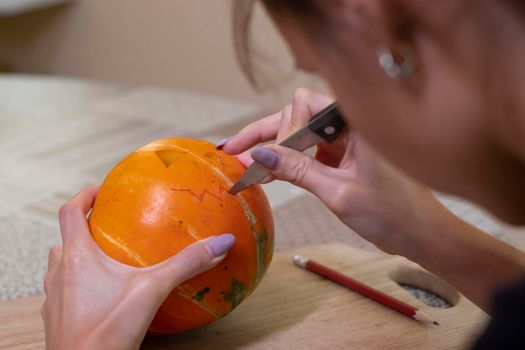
[436,323]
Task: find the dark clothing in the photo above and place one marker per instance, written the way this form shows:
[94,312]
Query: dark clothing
[506,330]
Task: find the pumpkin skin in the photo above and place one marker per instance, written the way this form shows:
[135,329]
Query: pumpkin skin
[170,193]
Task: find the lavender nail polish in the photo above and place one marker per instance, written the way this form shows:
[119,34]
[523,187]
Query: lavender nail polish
[266,157]
[219,245]
[223,143]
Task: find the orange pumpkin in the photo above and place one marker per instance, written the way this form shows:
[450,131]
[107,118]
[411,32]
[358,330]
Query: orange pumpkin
[169,194]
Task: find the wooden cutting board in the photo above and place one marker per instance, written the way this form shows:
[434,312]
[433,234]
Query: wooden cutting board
[295,309]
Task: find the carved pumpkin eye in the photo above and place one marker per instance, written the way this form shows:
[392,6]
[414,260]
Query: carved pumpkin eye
[168,157]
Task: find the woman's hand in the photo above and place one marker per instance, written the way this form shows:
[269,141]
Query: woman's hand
[95,302]
[380,203]
[366,193]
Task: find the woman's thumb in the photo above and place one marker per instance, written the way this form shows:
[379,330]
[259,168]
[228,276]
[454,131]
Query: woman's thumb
[193,260]
[290,165]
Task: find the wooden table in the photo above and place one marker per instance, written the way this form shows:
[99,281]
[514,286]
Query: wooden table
[295,309]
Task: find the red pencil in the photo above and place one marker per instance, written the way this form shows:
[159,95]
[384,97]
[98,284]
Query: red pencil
[362,289]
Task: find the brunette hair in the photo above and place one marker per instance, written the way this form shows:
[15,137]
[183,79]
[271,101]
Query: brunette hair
[242,13]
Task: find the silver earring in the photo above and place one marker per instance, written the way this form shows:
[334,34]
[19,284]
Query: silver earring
[393,69]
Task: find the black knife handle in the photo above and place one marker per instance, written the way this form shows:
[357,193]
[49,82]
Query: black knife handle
[328,123]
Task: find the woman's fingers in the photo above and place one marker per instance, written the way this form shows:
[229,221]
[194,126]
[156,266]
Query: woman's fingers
[260,131]
[245,158]
[72,216]
[53,261]
[191,261]
[54,257]
[279,125]
[305,104]
[288,124]
[300,169]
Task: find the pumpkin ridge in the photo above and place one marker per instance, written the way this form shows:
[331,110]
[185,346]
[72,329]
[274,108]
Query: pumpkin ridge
[192,232]
[189,229]
[122,246]
[185,291]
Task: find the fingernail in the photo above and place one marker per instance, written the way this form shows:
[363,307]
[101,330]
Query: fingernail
[223,143]
[266,157]
[219,245]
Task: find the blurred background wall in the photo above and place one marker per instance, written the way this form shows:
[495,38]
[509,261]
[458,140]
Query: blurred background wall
[171,43]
